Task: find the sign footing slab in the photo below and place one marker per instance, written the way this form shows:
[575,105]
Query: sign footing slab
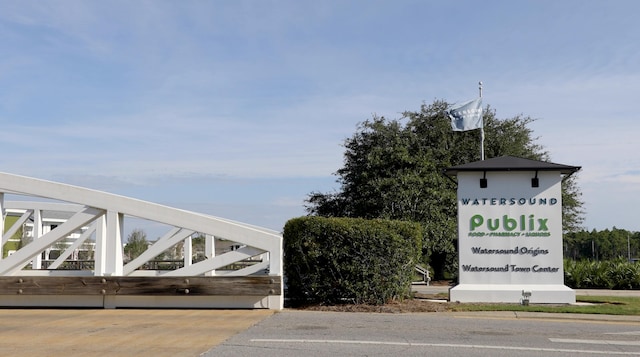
[513,293]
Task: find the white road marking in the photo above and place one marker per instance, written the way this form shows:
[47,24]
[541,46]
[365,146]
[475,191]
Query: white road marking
[596,342]
[420,344]
[633,333]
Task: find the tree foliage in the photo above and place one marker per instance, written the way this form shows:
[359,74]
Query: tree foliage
[572,212]
[607,244]
[136,244]
[393,170]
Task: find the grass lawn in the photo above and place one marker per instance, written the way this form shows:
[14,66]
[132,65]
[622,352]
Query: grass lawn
[608,305]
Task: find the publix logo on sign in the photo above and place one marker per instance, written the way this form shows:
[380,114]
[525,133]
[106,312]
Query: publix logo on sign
[511,224]
[522,223]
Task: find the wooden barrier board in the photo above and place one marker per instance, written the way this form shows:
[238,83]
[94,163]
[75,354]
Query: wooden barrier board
[145,286]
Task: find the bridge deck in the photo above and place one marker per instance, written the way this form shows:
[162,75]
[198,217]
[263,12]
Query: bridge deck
[123,332]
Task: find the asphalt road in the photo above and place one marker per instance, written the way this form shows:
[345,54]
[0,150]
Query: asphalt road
[307,333]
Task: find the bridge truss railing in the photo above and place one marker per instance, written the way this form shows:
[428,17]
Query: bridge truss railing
[99,217]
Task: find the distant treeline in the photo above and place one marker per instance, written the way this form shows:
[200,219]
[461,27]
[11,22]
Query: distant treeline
[602,245]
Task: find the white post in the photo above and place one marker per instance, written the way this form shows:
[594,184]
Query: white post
[109,233]
[2,217]
[275,268]
[114,243]
[100,253]
[210,250]
[188,251]
[36,263]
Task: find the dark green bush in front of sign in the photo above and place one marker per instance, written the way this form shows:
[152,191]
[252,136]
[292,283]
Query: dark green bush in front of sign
[349,260]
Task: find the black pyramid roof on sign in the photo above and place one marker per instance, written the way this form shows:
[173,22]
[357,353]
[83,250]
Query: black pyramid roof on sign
[511,163]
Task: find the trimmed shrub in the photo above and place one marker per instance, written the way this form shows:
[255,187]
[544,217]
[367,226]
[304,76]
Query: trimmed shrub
[349,260]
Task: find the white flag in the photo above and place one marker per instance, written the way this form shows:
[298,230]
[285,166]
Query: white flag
[466,116]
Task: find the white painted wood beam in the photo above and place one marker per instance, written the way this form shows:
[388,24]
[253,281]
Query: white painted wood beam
[210,251]
[245,271]
[16,226]
[18,259]
[249,235]
[166,242]
[78,242]
[44,206]
[114,247]
[187,251]
[36,233]
[216,262]
[100,254]
[2,216]
[260,238]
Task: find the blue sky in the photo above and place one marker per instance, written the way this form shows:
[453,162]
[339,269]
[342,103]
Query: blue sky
[240,108]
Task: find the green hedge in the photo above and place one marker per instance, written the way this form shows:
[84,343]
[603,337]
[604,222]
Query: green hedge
[349,260]
[608,274]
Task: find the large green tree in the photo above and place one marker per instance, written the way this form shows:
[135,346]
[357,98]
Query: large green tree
[393,169]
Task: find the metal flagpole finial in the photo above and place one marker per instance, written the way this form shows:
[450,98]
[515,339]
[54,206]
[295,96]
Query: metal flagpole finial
[480,87]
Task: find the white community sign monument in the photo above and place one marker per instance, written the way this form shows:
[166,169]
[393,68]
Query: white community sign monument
[510,231]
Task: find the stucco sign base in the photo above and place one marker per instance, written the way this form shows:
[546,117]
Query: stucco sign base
[512,293]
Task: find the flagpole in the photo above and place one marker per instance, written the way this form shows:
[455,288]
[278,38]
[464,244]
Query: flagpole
[481,129]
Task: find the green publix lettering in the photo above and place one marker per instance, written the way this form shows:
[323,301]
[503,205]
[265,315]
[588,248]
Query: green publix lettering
[523,223]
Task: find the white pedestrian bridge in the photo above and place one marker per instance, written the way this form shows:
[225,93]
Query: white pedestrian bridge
[110,281]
